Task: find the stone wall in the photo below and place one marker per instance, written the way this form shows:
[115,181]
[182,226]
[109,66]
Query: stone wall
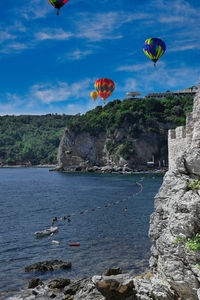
[176,144]
[182,137]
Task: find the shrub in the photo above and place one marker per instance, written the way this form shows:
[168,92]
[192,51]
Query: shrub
[194,185]
[194,243]
[124,150]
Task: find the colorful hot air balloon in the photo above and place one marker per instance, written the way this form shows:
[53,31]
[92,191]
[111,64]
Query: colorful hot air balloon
[58,4]
[154,48]
[94,95]
[104,87]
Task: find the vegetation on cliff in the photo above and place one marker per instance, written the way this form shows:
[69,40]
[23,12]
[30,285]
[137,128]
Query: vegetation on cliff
[136,111]
[35,139]
[31,139]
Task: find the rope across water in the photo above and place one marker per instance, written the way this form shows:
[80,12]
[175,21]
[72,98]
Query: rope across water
[68,216]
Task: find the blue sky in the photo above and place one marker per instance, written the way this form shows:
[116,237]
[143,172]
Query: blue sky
[49,63]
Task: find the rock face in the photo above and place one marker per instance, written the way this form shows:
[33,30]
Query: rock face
[115,286]
[111,152]
[174,226]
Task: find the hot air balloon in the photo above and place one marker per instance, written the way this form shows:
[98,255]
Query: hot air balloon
[94,95]
[154,48]
[58,4]
[104,87]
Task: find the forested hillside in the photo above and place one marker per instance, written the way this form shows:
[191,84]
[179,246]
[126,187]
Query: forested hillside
[34,140]
[136,111]
[30,139]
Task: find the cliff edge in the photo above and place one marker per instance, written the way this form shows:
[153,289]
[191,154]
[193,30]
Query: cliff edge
[175,226]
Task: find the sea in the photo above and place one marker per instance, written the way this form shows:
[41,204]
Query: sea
[109,218]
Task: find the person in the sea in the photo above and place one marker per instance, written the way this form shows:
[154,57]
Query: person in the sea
[68,220]
[54,220]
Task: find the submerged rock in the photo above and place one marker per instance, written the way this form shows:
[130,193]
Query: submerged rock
[48,265]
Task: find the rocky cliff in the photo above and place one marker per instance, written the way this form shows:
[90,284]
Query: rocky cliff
[119,150]
[175,226]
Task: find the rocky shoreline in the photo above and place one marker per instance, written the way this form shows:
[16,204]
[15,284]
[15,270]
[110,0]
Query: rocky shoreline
[111,285]
[108,169]
[27,166]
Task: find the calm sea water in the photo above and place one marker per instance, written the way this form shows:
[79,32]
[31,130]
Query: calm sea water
[108,236]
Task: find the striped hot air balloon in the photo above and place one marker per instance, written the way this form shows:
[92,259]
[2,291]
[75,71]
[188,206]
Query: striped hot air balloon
[154,48]
[104,87]
[58,4]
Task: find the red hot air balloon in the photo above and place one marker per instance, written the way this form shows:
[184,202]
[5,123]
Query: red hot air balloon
[58,4]
[104,87]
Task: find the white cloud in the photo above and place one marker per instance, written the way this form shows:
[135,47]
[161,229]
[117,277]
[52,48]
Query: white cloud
[130,85]
[17,46]
[176,11]
[53,34]
[48,93]
[6,36]
[44,98]
[135,67]
[73,109]
[168,77]
[75,55]
[105,25]
[36,9]
[183,47]
[98,27]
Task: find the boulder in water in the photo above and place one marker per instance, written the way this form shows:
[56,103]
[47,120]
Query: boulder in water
[48,265]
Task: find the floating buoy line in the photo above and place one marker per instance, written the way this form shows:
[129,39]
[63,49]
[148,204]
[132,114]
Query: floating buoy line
[68,217]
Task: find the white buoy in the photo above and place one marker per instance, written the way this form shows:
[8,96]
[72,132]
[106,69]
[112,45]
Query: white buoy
[55,242]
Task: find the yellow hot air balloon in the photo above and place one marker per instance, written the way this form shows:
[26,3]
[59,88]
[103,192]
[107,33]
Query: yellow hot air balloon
[94,95]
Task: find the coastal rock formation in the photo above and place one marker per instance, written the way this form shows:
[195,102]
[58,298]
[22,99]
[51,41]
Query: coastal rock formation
[113,287]
[106,152]
[48,265]
[174,226]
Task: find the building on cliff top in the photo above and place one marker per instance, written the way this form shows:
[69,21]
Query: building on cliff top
[191,92]
[182,137]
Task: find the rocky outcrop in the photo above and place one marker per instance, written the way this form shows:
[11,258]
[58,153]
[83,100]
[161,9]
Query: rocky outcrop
[174,226]
[80,151]
[34,282]
[48,265]
[115,286]
[119,151]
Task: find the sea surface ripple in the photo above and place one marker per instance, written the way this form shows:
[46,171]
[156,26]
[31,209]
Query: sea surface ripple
[115,235]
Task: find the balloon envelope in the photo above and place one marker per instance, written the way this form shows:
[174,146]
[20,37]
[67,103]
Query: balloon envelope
[58,3]
[154,48]
[94,95]
[104,87]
